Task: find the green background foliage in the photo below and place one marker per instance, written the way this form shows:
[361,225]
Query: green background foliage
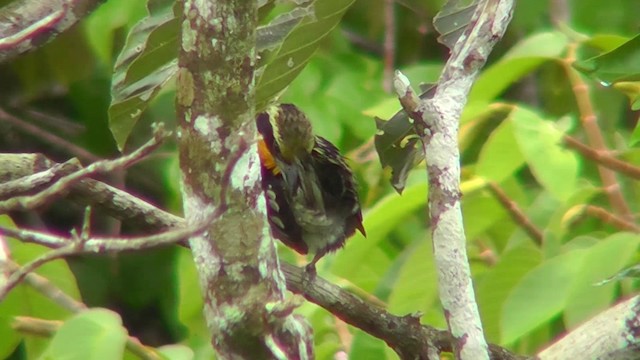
[522,105]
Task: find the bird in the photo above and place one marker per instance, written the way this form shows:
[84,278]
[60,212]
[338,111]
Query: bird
[311,194]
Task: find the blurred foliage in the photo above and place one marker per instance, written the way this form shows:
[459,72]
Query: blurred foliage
[529,292]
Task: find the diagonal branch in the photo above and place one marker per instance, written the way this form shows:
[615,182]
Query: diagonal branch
[436,122]
[602,158]
[341,303]
[26,24]
[66,246]
[33,201]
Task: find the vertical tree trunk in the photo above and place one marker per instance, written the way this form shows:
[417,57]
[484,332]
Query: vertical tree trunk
[240,280]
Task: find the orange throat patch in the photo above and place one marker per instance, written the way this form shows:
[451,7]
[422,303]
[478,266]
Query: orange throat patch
[266,158]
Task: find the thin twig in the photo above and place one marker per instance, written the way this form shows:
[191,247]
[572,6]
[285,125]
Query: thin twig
[48,289]
[594,135]
[105,166]
[603,158]
[608,218]
[389,43]
[57,122]
[72,246]
[25,184]
[5,258]
[117,203]
[516,213]
[48,328]
[16,277]
[49,137]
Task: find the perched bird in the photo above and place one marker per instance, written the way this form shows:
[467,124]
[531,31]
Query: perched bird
[312,202]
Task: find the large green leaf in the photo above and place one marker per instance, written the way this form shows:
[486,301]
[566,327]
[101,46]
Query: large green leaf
[619,64]
[149,58]
[147,61]
[176,352]
[190,302]
[522,59]
[500,156]
[604,259]
[95,334]
[481,202]
[555,167]
[540,295]
[497,284]
[365,346]
[298,47]
[407,296]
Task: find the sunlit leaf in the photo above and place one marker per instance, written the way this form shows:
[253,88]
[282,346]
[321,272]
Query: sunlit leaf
[605,258]
[500,156]
[496,285]
[555,167]
[176,352]
[362,261]
[298,47]
[619,64]
[523,58]
[540,295]
[95,334]
[419,268]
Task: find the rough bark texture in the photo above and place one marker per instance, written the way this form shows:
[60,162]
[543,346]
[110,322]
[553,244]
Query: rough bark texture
[440,134]
[436,123]
[242,286]
[612,334]
[400,332]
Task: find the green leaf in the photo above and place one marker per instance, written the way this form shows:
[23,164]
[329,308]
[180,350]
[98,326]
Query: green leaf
[632,90]
[605,42]
[176,352]
[604,259]
[452,20]
[101,24]
[190,302]
[297,49]
[362,261]
[496,285]
[397,144]
[555,167]
[95,334]
[540,295]
[419,268]
[365,346]
[481,202]
[632,272]
[147,61]
[619,64]
[500,156]
[523,58]
[149,58]
[23,300]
